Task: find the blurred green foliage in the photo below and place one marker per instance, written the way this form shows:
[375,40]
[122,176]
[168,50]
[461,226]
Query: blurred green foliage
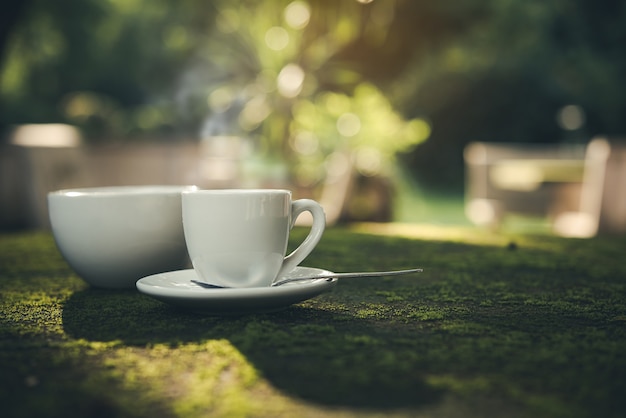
[497,70]
[368,129]
[107,66]
[510,72]
[276,71]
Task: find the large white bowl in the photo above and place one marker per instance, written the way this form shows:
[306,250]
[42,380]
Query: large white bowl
[114,236]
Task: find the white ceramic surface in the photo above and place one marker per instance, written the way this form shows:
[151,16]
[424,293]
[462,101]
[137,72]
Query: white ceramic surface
[113,236]
[176,288]
[238,238]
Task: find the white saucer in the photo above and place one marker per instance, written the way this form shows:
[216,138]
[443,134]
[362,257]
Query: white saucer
[176,288]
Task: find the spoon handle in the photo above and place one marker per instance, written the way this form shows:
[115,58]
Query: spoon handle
[328,276]
[348,275]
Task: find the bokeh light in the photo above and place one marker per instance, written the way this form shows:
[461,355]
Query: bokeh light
[571,117]
[297,14]
[220,99]
[348,124]
[254,112]
[290,80]
[276,38]
[305,143]
[369,161]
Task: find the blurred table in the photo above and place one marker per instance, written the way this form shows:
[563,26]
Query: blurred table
[496,326]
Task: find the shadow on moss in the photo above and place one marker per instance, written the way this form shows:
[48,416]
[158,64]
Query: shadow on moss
[52,381]
[303,351]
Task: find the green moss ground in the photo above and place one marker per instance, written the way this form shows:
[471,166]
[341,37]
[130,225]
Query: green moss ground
[495,326]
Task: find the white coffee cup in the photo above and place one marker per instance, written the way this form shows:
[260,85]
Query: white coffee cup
[238,238]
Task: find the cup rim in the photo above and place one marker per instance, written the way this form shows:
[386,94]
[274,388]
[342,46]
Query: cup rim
[128,190]
[235,192]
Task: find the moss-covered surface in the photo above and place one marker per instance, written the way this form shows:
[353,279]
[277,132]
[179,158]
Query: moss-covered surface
[495,326]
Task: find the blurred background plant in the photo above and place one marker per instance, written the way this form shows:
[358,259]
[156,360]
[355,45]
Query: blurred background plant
[274,77]
[303,79]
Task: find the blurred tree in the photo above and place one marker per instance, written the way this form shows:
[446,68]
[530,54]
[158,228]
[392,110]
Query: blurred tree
[510,73]
[290,76]
[107,66]
[497,70]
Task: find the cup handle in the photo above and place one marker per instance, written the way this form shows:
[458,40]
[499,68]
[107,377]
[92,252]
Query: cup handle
[317,229]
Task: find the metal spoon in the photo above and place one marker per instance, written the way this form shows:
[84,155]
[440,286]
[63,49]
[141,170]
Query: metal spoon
[328,276]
